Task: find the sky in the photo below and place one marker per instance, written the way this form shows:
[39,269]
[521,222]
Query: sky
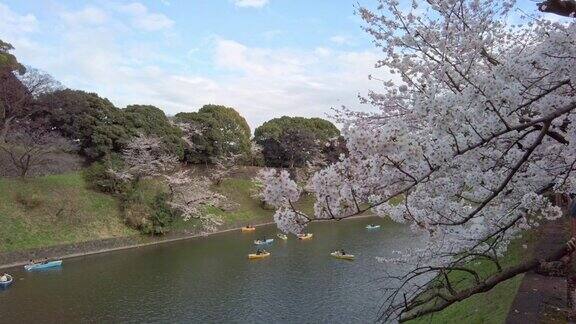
[265,58]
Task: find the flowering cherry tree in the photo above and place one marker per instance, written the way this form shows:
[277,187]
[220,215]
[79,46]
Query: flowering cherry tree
[223,167]
[475,125]
[145,157]
[190,195]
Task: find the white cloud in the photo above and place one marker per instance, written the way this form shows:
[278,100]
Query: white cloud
[340,40]
[145,20]
[269,83]
[15,24]
[260,82]
[18,30]
[250,3]
[86,16]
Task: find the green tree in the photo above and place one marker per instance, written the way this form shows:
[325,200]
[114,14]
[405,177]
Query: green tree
[150,120]
[8,62]
[213,132]
[93,122]
[293,141]
[15,99]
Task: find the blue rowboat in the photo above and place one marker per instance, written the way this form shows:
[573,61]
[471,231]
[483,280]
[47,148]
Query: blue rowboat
[260,242]
[6,284]
[39,266]
[372,226]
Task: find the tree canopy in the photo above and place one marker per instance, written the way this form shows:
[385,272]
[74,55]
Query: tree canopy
[8,61]
[293,141]
[149,120]
[322,129]
[217,131]
[93,122]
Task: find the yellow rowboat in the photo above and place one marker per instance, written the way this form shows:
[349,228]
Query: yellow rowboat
[306,236]
[258,256]
[282,236]
[248,229]
[339,255]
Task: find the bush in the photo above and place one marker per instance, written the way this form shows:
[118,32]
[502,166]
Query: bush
[148,214]
[99,178]
[144,203]
[162,216]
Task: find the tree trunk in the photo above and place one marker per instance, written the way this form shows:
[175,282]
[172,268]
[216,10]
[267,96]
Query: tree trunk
[491,282]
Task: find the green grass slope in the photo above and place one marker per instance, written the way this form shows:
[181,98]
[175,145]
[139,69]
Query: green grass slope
[56,209]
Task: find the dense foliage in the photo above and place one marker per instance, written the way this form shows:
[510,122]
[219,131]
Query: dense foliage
[214,132]
[99,177]
[149,120]
[293,141]
[16,100]
[7,60]
[93,122]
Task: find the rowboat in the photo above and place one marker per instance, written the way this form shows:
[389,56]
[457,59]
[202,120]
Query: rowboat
[306,236]
[258,256]
[260,242]
[372,226]
[6,284]
[282,236]
[44,265]
[339,255]
[248,229]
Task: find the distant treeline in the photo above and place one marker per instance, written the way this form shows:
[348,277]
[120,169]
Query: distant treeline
[32,102]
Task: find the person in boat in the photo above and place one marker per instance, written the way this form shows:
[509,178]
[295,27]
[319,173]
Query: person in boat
[342,252]
[45,261]
[4,278]
[258,252]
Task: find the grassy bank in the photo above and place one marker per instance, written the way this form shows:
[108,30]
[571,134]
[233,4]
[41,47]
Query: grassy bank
[489,307]
[60,209]
[55,209]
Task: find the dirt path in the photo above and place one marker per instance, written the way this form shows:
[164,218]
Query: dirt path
[540,298]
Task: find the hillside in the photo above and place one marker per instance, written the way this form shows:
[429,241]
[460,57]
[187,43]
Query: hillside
[55,209]
[59,209]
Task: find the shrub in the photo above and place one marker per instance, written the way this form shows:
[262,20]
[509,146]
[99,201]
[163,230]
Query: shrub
[148,215]
[162,216]
[99,178]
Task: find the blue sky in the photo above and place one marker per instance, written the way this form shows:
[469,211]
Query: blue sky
[266,58]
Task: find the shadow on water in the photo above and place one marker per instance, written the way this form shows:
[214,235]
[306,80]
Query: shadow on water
[211,280]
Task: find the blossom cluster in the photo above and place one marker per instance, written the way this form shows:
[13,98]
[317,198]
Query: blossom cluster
[279,190]
[476,124]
